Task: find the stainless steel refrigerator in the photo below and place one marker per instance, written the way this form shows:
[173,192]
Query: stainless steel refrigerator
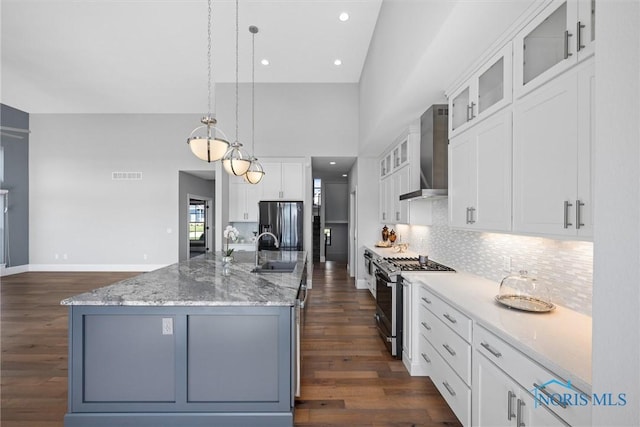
[285,220]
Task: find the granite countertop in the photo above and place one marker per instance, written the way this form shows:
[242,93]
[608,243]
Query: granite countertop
[559,340]
[201,281]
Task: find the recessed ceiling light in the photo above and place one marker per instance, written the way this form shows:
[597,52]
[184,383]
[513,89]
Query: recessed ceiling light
[337,62]
[265,61]
[332,163]
[344,174]
[344,16]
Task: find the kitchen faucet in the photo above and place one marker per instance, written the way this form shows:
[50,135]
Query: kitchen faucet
[258,241]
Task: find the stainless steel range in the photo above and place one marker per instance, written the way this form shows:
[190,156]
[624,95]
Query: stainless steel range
[389,295]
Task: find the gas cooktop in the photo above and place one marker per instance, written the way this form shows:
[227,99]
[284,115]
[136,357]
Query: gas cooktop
[413,264]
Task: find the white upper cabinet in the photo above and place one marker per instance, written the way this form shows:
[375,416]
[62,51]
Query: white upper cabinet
[480,176]
[486,92]
[553,143]
[399,174]
[282,181]
[555,40]
[400,186]
[243,201]
[386,206]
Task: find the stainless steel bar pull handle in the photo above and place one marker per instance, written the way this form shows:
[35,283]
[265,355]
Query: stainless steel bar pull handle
[449,389]
[468,110]
[473,104]
[424,325]
[491,350]
[567,205]
[519,422]
[425,299]
[449,349]
[425,357]
[467,217]
[510,396]
[450,318]
[471,211]
[567,54]
[579,28]
[542,389]
[579,222]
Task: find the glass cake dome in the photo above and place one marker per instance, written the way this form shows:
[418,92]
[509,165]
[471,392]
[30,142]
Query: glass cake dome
[522,292]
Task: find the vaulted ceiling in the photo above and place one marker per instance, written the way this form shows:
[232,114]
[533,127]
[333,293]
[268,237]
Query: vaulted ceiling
[114,55]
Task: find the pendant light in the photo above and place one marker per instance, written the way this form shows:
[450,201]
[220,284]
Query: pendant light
[207,146]
[235,161]
[255,172]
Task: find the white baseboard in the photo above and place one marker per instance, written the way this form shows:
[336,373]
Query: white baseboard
[362,284]
[8,271]
[95,267]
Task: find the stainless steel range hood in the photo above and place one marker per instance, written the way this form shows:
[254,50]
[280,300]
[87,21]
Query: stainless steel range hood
[434,157]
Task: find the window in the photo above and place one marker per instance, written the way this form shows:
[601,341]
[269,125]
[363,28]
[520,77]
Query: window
[196,220]
[317,192]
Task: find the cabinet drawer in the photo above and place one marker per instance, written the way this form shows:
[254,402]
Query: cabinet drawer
[451,317]
[452,388]
[425,354]
[527,373]
[453,349]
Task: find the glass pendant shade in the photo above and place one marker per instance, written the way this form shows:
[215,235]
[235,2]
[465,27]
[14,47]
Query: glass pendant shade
[235,162]
[207,147]
[254,174]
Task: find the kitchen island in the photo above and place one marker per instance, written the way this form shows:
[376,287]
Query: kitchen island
[191,344]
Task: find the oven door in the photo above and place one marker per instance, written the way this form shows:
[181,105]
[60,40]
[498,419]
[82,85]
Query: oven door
[387,300]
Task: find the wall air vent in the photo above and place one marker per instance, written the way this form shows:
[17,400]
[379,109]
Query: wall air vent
[126,176]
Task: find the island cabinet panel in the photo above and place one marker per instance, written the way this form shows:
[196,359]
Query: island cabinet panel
[186,366]
[128,359]
[233,358]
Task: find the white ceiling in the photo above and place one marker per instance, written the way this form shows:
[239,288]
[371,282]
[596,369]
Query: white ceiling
[117,55]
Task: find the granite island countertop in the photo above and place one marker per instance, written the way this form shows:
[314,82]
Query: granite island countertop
[201,281]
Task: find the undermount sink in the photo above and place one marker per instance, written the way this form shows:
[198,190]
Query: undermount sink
[276,267]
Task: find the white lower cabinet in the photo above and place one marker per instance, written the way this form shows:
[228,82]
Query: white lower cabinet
[500,401]
[485,380]
[535,385]
[446,351]
[451,387]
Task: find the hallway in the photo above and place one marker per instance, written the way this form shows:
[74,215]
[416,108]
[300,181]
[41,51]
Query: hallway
[348,377]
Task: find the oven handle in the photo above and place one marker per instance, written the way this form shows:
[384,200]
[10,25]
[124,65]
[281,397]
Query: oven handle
[382,277]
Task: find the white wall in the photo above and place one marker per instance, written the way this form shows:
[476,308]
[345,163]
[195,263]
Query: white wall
[616,287]
[294,120]
[79,211]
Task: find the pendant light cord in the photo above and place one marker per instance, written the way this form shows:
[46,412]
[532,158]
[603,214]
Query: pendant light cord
[237,32]
[209,60]
[253,30]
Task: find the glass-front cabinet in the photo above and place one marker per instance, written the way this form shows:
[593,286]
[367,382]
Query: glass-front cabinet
[486,92]
[562,35]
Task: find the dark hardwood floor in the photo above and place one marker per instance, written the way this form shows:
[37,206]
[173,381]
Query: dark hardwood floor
[348,378]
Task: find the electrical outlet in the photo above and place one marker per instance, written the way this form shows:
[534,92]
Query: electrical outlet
[506,263]
[167,326]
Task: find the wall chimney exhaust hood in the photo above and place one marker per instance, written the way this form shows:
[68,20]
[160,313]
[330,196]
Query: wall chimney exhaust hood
[434,156]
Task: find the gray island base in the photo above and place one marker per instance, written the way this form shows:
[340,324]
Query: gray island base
[187,345]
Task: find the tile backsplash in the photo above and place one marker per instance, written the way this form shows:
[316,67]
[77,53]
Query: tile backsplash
[565,266]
